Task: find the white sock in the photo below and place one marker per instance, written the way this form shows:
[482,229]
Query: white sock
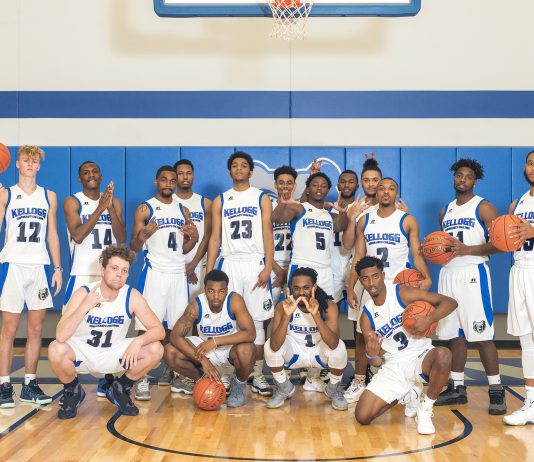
[280,377]
[458,378]
[360,378]
[494,379]
[258,368]
[239,381]
[427,403]
[28,377]
[530,392]
[334,379]
[5,379]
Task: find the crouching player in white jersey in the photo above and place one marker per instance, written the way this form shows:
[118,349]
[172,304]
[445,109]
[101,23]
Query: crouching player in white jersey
[91,336]
[521,302]
[226,334]
[28,212]
[306,334]
[409,361]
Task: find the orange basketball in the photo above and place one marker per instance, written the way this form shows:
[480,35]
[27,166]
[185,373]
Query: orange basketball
[436,247]
[416,310]
[409,277]
[208,394]
[499,232]
[5,158]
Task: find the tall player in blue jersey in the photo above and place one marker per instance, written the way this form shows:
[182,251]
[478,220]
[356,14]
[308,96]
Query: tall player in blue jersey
[409,360]
[467,279]
[29,214]
[242,228]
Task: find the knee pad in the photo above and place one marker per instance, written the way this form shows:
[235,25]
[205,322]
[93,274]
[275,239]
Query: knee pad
[260,333]
[272,358]
[337,358]
[527,355]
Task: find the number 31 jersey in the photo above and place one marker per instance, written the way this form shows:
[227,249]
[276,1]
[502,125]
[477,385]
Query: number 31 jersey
[84,256]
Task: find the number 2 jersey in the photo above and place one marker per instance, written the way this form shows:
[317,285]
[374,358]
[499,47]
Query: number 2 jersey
[26,219]
[386,320]
[282,242]
[85,256]
[524,208]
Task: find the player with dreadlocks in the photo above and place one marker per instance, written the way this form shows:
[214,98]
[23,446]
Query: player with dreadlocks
[306,334]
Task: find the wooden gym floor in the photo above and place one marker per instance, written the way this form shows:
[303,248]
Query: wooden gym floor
[170,428]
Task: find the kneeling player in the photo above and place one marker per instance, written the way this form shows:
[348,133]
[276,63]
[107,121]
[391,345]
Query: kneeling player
[218,314]
[410,361]
[306,334]
[91,336]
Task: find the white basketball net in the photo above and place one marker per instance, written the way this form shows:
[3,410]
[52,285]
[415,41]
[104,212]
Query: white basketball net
[290,17]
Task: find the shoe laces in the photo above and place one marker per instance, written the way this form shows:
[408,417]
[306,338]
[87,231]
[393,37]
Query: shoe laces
[324,374]
[261,381]
[143,385]
[355,385]
[188,381]
[34,385]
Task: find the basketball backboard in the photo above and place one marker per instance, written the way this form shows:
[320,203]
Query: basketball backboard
[185,8]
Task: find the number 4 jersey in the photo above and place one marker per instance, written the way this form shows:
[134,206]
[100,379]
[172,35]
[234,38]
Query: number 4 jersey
[26,218]
[84,256]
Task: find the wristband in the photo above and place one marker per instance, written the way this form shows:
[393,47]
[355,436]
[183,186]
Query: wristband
[370,357]
[58,268]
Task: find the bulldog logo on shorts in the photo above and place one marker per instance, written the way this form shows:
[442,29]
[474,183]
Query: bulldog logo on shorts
[267,305]
[43,293]
[479,326]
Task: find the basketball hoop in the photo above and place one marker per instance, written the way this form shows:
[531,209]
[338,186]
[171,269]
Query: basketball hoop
[290,17]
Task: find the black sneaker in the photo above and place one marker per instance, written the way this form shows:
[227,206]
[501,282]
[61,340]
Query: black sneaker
[452,395]
[6,395]
[497,400]
[120,397]
[324,375]
[368,375]
[72,398]
[32,393]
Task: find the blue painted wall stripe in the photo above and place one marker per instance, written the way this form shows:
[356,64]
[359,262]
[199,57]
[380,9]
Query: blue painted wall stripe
[267,104]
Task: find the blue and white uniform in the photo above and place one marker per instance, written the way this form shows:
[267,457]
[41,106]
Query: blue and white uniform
[282,250]
[197,212]
[521,301]
[404,355]
[312,234]
[242,252]
[466,279]
[85,264]
[24,257]
[100,340]
[211,324]
[163,281]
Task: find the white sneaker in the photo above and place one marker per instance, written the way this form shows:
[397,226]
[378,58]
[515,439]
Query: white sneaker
[424,420]
[142,390]
[314,384]
[411,401]
[522,416]
[226,381]
[261,386]
[354,391]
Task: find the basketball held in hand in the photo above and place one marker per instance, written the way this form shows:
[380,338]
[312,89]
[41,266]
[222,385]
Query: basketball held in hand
[499,229]
[415,311]
[437,248]
[409,277]
[208,394]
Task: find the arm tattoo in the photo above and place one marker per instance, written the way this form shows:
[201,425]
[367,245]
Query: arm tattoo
[187,320]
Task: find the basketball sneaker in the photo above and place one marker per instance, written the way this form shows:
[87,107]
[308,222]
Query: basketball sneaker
[522,416]
[354,391]
[142,389]
[452,395]
[282,391]
[103,384]
[32,393]
[424,419]
[182,384]
[368,374]
[227,382]
[324,375]
[411,401]
[497,399]
[314,384]
[166,379]
[261,386]
[6,395]
[72,398]
[303,374]
[335,393]
[237,393]
[120,397]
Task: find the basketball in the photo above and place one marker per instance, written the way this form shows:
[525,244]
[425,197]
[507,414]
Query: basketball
[499,233]
[5,158]
[436,247]
[208,394]
[409,277]
[414,311]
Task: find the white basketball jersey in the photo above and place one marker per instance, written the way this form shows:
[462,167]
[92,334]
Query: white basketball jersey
[464,223]
[524,208]
[242,231]
[107,323]
[282,242]
[386,240]
[84,256]
[303,328]
[312,234]
[197,213]
[386,320]
[339,255]
[212,324]
[25,220]
[164,249]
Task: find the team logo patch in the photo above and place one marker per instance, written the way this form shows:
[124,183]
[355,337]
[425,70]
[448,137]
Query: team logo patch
[376,314]
[479,326]
[207,315]
[267,305]
[42,294]
[297,315]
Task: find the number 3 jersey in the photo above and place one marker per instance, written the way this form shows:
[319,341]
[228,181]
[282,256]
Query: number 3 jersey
[386,320]
[241,225]
[85,256]
[26,218]
[164,249]
[524,208]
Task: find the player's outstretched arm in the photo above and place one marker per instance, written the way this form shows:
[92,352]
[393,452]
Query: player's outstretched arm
[215,239]
[287,208]
[349,234]
[141,230]
[52,239]
[412,229]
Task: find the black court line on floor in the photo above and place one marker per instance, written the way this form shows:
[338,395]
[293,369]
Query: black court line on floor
[468,428]
[514,393]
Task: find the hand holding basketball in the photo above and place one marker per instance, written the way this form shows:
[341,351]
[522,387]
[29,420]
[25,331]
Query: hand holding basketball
[437,247]
[210,371]
[500,230]
[521,232]
[417,319]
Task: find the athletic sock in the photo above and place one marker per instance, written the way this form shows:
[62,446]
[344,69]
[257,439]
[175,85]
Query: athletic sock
[360,378]
[5,379]
[494,379]
[125,381]
[280,377]
[334,379]
[458,378]
[427,403]
[530,392]
[71,385]
[28,378]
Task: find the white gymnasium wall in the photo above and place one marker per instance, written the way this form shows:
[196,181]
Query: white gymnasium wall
[72,45]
